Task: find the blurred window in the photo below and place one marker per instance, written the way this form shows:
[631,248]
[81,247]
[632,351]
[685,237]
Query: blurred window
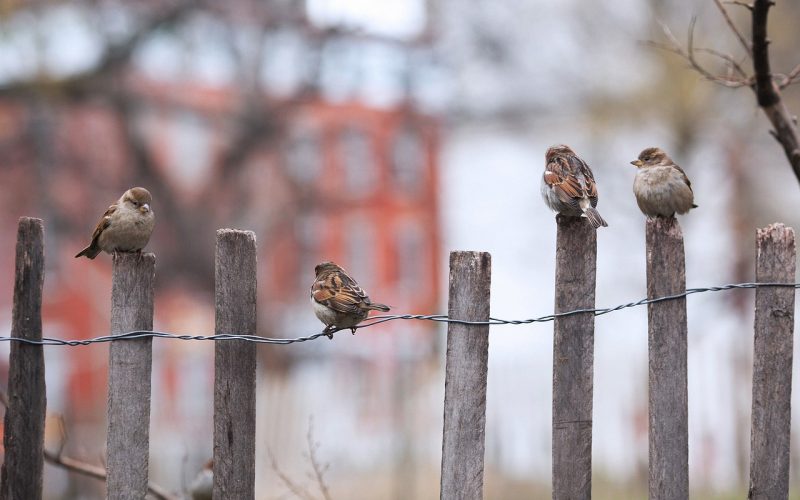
[408,159]
[411,267]
[361,249]
[190,151]
[357,160]
[303,154]
[308,230]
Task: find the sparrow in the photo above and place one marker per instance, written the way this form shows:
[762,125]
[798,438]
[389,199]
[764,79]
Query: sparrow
[125,227]
[660,186]
[202,485]
[568,185]
[338,301]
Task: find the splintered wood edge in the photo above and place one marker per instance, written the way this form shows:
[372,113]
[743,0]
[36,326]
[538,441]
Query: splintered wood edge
[226,232]
[666,225]
[776,231]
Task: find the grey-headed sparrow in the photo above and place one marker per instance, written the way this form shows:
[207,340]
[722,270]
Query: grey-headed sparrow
[661,187]
[568,186]
[338,301]
[125,227]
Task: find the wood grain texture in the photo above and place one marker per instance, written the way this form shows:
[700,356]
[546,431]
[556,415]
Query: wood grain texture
[129,374]
[23,436]
[465,377]
[235,366]
[667,331]
[772,364]
[573,358]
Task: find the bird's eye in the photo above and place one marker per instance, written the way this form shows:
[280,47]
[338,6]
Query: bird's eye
[135,203]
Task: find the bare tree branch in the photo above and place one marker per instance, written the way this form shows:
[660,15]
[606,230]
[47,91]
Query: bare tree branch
[319,470]
[763,82]
[296,489]
[767,91]
[792,77]
[115,57]
[740,4]
[742,40]
[688,54]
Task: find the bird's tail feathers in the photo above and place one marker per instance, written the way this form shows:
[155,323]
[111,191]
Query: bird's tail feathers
[378,307]
[90,252]
[594,217]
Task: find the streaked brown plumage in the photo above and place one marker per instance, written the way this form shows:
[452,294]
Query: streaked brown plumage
[338,301]
[568,185]
[661,187]
[125,227]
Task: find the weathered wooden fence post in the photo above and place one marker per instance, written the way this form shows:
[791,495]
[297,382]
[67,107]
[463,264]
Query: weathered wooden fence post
[23,436]
[573,358]
[666,334]
[235,366]
[772,364]
[129,373]
[465,377]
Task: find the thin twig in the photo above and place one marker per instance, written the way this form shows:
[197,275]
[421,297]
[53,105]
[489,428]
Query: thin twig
[732,63]
[319,471]
[296,489]
[792,77]
[748,47]
[746,5]
[84,468]
[675,47]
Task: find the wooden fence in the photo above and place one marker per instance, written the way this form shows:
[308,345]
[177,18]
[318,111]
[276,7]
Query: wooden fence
[465,371]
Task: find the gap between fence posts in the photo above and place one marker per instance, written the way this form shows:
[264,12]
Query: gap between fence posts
[235,366]
[772,364]
[465,377]
[573,358]
[129,377]
[23,436]
[667,346]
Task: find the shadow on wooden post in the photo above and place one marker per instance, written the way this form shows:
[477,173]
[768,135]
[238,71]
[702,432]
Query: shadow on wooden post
[772,364]
[465,377]
[23,436]
[666,336]
[129,376]
[235,366]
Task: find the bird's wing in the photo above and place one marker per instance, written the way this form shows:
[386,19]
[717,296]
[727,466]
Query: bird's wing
[340,292]
[561,177]
[103,223]
[685,178]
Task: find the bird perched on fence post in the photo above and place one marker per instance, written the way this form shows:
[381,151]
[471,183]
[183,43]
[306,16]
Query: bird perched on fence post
[338,301]
[661,187]
[125,227]
[568,185]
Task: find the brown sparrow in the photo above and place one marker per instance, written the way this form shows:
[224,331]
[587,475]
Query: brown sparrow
[661,187]
[125,227]
[568,185]
[338,301]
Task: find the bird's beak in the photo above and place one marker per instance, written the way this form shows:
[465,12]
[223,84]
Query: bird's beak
[637,163]
[145,208]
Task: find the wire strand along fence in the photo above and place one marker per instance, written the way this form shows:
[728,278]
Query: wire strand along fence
[468,321]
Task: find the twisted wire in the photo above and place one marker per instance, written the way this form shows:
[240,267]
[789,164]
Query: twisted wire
[376,320]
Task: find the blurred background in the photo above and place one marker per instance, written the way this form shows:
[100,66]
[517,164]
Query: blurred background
[382,135]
